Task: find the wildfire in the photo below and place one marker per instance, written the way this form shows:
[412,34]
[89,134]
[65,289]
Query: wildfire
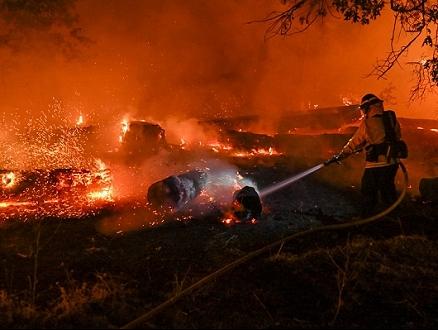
[65,187]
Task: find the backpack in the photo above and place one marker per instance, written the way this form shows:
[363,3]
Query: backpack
[394,148]
[391,148]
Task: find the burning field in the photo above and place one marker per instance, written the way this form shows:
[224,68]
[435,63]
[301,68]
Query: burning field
[69,172]
[163,165]
[186,170]
[143,203]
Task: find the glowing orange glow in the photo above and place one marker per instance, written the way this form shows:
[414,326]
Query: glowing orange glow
[103,194]
[8,179]
[347,101]
[58,192]
[125,128]
[12,204]
[80,121]
[183,144]
[218,147]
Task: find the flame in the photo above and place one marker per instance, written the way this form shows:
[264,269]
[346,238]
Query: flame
[229,217]
[228,148]
[80,121]
[183,144]
[125,126]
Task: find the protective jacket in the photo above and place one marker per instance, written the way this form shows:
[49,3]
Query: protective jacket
[371,132]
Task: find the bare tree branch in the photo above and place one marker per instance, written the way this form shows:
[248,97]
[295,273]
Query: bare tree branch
[413,19]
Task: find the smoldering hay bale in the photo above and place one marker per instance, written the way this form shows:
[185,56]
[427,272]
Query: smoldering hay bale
[176,190]
[247,204]
[429,189]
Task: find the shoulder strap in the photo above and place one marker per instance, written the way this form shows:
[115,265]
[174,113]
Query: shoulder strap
[389,120]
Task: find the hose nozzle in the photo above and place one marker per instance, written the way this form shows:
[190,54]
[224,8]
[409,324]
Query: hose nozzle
[334,159]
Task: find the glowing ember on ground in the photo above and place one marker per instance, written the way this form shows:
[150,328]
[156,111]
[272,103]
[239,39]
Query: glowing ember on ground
[66,192]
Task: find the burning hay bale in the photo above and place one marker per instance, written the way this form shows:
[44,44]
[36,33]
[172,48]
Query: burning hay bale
[44,185]
[177,190]
[75,182]
[246,204]
[143,138]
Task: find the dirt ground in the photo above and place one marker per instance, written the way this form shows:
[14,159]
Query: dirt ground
[302,264]
[145,264]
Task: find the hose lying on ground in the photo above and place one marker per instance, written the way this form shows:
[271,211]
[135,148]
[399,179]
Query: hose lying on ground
[145,317]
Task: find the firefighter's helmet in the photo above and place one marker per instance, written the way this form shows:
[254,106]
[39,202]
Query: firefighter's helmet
[367,101]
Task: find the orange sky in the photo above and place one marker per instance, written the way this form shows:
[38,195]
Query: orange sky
[157,59]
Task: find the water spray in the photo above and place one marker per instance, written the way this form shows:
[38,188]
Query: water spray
[286,182]
[282,184]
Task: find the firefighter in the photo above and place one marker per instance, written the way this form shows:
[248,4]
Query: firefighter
[380,172]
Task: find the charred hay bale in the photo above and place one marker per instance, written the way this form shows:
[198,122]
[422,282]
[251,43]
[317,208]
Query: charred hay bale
[247,204]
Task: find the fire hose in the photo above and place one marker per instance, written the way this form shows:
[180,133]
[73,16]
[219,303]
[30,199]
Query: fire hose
[145,317]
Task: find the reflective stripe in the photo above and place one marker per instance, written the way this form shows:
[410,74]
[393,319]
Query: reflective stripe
[381,164]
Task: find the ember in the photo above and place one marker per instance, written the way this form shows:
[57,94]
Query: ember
[26,190]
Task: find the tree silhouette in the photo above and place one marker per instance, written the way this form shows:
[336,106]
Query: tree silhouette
[415,19]
[30,25]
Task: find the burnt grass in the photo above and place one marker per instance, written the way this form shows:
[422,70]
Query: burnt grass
[66,273]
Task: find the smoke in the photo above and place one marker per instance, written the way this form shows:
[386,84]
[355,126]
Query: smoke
[131,186]
[200,59]
[175,63]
